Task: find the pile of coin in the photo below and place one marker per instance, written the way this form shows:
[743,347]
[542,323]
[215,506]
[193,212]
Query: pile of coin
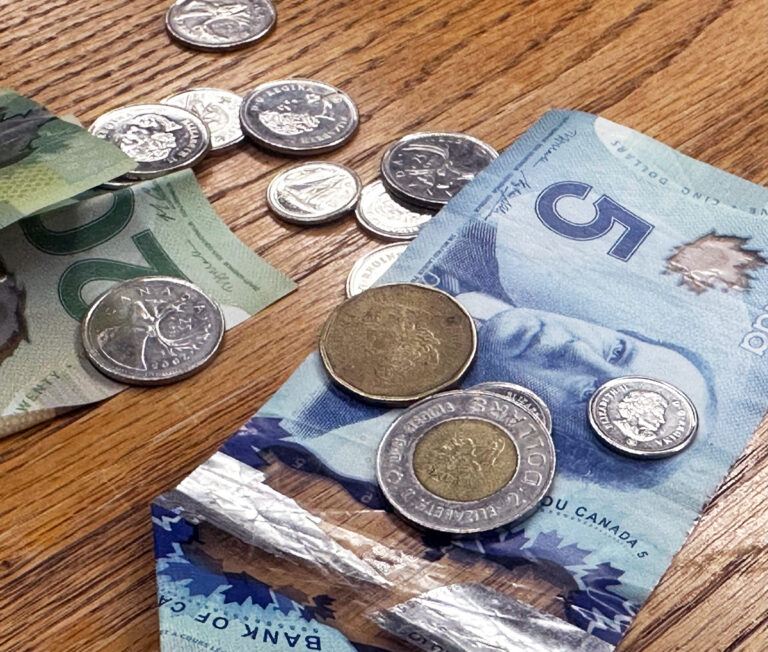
[152,330]
[471,460]
[287,116]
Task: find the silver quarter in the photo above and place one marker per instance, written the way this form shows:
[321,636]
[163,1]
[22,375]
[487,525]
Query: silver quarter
[429,169]
[521,396]
[152,330]
[371,267]
[218,109]
[298,116]
[465,461]
[118,183]
[159,137]
[381,214]
[220,25]
[313,193]
[642,417]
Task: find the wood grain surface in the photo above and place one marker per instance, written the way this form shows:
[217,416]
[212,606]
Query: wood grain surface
[76,565]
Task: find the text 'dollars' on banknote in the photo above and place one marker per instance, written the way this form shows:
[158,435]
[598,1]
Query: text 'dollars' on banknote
[45,160]
[53,265]
[586,252]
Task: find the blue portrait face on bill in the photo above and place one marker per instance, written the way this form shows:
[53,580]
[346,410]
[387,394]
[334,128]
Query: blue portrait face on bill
[561,358]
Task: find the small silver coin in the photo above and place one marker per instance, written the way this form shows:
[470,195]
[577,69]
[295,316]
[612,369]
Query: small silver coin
[218,109]
[152,330]
[313,193]
[429,169]
[521,396]
[381,214]
[371,267]
[466,461]
[642,417]
[159,137]
[298,116]
[220,25]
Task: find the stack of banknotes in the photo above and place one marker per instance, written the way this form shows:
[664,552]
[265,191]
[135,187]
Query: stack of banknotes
[64,241]
[585,252]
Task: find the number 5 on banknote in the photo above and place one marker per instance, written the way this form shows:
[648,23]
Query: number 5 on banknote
[608,213]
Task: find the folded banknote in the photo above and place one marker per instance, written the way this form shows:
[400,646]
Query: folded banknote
[584,253]
[45,160]
[53,265]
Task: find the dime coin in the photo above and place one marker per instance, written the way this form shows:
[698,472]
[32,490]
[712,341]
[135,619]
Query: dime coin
[118,183]
[314,192]
[152,330]
[465,461]
[642,417]
[521,396]
[298,116]
[218,109]
[398,343]
[428,169]
[371,267]
[381,214]
[219,25]
[160,138]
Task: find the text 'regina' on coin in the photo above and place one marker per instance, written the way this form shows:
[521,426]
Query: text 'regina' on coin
[398,343]
[371,267]
[642,417]
[465,461]
[384,216]
[521,396]
[428,169]
[298,116]
[219,25]
[218,109]
[152,330]
[159,137]
[313,193]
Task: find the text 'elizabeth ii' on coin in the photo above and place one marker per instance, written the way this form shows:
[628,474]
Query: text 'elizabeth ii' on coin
[465,461]
[152,330]
[642,417]
[159,137]
[398,343]
[298,116]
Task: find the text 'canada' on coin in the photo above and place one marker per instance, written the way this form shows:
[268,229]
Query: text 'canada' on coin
[152,330]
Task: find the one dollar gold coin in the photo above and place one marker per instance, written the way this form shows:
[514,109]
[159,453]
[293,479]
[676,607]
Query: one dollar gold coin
[398,343]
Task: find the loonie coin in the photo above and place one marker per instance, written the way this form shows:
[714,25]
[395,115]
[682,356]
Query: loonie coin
[381,214]
[218,109]
[314,192]
[642,417]
[428,169]
[371,267]
[298,116]
[219,25]
[152,330]
[398,343]
[160,138]
[465,461]
[521,396]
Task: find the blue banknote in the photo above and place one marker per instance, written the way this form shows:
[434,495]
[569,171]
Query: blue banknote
[586,252]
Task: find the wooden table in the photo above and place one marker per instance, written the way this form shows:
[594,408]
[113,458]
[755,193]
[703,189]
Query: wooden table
[76,565]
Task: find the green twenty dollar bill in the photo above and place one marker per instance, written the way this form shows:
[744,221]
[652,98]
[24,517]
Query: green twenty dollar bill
[53,265]
[44,160]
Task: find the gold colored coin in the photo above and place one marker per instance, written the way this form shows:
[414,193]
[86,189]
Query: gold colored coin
[398,343]
[465,460]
